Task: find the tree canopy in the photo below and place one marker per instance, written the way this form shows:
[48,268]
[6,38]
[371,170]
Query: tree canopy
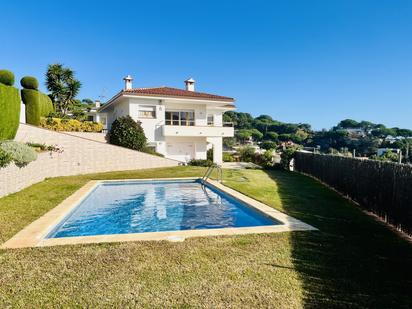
[63,86]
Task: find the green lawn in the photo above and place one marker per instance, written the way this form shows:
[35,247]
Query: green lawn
[352,261]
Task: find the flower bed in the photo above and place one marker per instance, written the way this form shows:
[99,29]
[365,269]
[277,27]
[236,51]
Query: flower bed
[70,125]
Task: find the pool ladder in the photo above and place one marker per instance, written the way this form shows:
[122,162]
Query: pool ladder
[209,172]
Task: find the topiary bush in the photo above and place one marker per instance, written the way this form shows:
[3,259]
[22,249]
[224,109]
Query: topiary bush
[29,82]
[20,153]
[9,106]
[127,133]
[37,105]
[6,77]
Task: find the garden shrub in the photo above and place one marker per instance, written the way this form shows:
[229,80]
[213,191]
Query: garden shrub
[247,154]
[267,145]
[37,103]
[6,77]
[5,158]
[70,125]
[265,160]
[227,157]
[209,154]
[200,162]
[9,106]
[287,155]
[127,133]
[29,82]
[20,153]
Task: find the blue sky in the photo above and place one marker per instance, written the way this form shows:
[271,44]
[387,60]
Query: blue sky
[299,61]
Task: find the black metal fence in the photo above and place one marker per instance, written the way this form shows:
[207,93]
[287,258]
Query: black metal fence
[382,188]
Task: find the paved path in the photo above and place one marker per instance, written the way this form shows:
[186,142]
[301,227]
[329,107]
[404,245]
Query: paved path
[239,165]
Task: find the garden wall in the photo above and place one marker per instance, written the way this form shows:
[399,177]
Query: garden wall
[382,188]
[79,156]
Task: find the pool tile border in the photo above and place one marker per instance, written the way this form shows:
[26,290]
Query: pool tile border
[34,234]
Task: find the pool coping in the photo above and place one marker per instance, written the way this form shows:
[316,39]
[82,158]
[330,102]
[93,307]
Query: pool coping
[34,234]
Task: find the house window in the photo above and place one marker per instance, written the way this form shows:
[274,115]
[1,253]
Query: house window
[210,120]
[180,118]
[147,112]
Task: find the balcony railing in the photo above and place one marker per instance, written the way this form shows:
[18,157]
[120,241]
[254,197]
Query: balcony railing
[192,124]
[207,131]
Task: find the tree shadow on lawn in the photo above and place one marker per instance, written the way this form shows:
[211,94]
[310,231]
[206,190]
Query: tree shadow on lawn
[353,260]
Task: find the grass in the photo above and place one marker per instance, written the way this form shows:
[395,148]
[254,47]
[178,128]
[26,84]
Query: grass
[353,261]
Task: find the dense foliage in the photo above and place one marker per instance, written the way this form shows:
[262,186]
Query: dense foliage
[9,106]
[5,158]
[380,187]
[127,133]
[348,136]
[200,162]
[70,125]
[20,153]
[37,103]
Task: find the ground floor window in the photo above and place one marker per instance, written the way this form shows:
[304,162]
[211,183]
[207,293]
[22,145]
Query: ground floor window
[180,118]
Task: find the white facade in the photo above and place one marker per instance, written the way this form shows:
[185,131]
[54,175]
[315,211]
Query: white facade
[180,128]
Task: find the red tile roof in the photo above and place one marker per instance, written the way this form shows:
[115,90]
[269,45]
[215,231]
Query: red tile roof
[175,92]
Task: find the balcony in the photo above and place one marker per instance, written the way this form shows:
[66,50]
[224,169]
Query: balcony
[226,130]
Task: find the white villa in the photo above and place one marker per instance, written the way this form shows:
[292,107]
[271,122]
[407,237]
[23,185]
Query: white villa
[181,124]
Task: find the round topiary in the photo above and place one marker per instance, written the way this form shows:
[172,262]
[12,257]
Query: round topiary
[7,77]
[29,82]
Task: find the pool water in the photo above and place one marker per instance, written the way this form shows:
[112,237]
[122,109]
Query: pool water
[154,206]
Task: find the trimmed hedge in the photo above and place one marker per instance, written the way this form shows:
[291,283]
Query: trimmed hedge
[37,105]
[383,188]
[200,162]
[29,82]
[70,125]
[9,112]
[6,77]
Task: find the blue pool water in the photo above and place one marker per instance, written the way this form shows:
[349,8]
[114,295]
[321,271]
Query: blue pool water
[137,207]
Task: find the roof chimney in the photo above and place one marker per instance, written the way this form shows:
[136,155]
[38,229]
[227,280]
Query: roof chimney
[190,84]
[128,82]
[97,103]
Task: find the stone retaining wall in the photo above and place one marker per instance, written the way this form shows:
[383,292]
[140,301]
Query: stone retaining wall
[80,156]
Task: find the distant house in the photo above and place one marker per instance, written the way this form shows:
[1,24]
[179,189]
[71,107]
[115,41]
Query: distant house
[392,139]
[181,124]
[356,132]
[382,151]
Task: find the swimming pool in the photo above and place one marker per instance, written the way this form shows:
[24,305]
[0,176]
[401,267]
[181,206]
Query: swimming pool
[152,209]
[156,206]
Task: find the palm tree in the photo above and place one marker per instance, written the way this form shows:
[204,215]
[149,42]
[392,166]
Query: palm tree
[63,86]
